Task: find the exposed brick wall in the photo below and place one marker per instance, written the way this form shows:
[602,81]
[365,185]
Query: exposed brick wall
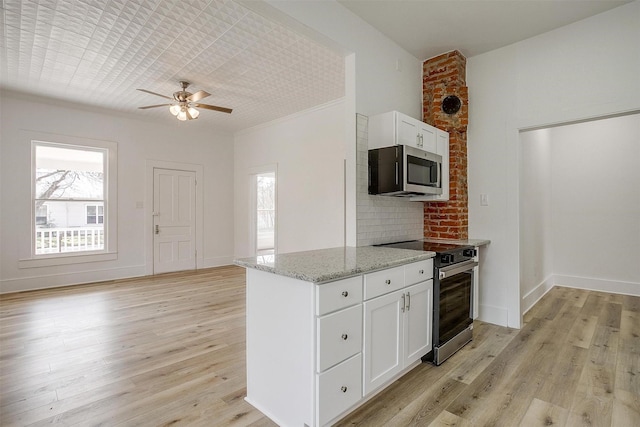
[442,76]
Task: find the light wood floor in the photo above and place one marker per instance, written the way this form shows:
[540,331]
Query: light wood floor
[170,350]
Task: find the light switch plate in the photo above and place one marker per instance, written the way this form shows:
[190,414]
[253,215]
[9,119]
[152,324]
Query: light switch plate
[484,200]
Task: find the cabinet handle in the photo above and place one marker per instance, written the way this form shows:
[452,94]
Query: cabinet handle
[408,301]
[343,388]
[345,294]
[388,281]
[345,336]
[157,229]
[421,271]
[403,303]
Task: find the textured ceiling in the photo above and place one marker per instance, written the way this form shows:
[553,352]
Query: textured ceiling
[98,52]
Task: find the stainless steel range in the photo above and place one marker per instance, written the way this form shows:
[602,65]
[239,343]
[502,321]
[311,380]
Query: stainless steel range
[452,295]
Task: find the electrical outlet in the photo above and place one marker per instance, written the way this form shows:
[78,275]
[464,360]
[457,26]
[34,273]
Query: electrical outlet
[484,200]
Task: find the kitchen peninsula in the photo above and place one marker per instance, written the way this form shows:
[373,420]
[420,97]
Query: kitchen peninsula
[327,329]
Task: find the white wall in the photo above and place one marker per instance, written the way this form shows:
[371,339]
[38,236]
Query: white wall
[138,141]
[596,204]
[536,232]
[309,151]
[584,70]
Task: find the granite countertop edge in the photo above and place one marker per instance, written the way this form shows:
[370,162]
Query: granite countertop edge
[328,265]
[470,242]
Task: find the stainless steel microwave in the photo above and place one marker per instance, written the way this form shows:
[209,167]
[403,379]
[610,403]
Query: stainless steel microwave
[404,171]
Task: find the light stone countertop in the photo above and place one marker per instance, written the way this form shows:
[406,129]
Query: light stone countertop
[469,242]
[327,265]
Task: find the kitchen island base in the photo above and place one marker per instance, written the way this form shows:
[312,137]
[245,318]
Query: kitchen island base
[308,362]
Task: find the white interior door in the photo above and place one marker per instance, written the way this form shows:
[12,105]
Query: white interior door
[174,210]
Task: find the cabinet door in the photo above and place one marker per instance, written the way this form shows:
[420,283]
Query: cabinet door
[427,138]
[407,131]
[383,330]
[418,319]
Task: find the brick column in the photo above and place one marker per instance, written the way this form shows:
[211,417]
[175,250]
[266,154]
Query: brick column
[442,76]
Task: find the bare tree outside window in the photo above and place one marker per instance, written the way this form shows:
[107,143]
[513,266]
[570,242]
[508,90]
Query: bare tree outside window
[67,180]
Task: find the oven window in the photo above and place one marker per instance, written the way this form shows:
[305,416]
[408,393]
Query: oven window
[455,305]
[421,171]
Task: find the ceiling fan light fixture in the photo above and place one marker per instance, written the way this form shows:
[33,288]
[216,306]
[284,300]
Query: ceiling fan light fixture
[193,112]
[184,103]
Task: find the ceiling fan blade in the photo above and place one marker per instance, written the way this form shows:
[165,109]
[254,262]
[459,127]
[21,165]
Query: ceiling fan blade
[213,107]
[153,106]
[156,94]
[198,96]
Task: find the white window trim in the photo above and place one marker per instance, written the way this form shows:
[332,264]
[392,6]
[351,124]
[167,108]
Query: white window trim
[28,258]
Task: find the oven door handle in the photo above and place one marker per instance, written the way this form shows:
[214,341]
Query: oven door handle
[456,269]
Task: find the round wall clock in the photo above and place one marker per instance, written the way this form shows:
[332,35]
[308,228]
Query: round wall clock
[451,104]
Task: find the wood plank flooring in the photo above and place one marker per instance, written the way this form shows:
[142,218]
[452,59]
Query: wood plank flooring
[170,350]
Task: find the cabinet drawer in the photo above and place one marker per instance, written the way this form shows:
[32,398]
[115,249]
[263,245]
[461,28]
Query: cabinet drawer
[339,336]
[336,295]
[338,389]
[382,282]
[418,272]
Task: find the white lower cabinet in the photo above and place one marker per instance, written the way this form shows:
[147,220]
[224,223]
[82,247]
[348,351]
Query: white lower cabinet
[315,350]
[397,332]
[339,388]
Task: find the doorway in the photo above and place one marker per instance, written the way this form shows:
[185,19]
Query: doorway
[174,220]
[264,213]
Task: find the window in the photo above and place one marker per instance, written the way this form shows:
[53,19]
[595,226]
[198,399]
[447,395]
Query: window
[42,215]
[65,178]
[95,214]
[265,213]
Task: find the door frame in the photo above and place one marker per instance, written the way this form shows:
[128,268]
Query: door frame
[148,209]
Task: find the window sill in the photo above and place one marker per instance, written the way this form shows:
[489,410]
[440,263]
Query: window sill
[66,259]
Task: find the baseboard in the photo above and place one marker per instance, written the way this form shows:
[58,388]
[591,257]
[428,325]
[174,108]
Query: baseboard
[600,285]
[495,315]
[216,262]
[531,298]
[67,279]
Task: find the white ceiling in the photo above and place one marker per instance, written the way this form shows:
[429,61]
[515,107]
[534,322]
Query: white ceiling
[427,28]
[98,52]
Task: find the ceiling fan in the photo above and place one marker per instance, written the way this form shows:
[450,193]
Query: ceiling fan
[184,103]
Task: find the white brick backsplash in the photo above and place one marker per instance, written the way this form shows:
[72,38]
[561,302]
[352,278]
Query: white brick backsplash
[381,219]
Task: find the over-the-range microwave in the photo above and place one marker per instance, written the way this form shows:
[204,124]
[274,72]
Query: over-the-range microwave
[404,171]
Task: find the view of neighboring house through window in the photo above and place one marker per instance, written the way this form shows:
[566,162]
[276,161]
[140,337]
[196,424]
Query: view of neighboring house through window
[95,214]
[42,216]
[266,213]
[68,198]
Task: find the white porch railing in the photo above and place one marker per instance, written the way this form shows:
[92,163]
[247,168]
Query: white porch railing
[55,240]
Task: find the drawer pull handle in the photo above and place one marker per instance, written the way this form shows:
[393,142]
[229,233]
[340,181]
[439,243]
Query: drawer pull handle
[421,271]
[343,388]
[345,294]
[388,281]
[345,336]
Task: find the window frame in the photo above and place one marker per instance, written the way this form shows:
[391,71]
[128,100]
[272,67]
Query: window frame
[28,256]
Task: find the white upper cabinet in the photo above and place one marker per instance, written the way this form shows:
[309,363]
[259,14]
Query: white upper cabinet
[394,128]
